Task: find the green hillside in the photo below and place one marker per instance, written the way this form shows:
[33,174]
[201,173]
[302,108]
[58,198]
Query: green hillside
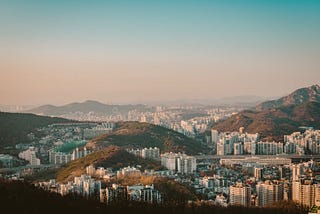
[140,135]
[14,127]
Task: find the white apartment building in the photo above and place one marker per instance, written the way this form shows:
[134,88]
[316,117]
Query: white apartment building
[146,153]
[178,162]
[240,195]
[238,148]
[297,171]
[269,192]
[249,147]
[128,171]
[305,193]
[269,148]
[30,155]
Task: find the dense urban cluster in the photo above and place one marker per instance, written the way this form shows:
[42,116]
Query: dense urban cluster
[243,170]
[89,185]
[232,181]
[189,120]
[58,143]
[240,143]
[77,133]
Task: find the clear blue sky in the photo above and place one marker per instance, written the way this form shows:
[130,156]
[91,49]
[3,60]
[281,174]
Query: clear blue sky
[137,51]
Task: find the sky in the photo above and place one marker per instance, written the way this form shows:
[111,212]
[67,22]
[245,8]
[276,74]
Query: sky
[57,52]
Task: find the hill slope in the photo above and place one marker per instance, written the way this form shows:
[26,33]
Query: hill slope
[14,127]
[85,107]
[272,124]
[140,135]
[302,95]
[112,156]
[116,158]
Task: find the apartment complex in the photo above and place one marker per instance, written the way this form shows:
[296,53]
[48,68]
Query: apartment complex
[178,162]
[146,153]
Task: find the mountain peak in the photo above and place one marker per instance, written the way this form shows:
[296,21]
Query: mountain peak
[273,123]
[92,102]
[315,87]
[299,96]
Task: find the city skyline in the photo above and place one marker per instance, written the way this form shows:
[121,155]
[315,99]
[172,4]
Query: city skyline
[57,52]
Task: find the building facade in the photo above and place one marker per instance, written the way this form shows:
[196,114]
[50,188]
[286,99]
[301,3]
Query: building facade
[240,195]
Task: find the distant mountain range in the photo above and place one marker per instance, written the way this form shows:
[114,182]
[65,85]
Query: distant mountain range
[273,119]
[140,135]
[87,107]
[106,109]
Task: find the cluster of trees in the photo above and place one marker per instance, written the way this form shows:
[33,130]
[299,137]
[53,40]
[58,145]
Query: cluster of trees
[14,127]
[22,197]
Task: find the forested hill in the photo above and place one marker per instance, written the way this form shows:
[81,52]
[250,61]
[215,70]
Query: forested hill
[272,124]
[14,127]
[140,135]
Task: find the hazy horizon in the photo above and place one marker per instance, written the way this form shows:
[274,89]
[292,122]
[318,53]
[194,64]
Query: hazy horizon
[59,52]
[209,101]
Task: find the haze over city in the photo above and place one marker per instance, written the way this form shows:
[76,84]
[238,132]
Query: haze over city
[169,106]
[56,52]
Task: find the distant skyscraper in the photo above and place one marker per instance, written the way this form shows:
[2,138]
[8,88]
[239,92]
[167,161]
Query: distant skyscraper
[214,139]
[220,148]
[214,136]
